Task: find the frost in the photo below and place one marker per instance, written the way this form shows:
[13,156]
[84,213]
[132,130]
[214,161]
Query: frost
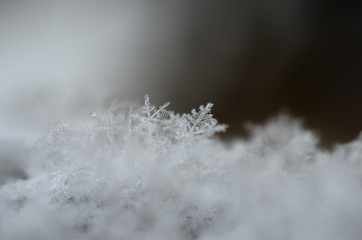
[149,173]
[161,122]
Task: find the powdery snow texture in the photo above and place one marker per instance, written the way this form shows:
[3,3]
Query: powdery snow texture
[148,173]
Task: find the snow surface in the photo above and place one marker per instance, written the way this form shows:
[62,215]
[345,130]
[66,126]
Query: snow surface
[148,173]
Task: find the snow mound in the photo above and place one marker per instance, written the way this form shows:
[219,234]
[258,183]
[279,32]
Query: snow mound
[148,173]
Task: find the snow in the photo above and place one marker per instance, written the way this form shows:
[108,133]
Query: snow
[149,173]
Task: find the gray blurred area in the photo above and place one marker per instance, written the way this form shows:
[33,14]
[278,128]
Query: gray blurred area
[252,58]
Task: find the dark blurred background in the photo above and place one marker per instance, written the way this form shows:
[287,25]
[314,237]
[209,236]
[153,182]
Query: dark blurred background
[252,58]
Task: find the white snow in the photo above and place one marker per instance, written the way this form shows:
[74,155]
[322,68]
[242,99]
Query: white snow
[153,174]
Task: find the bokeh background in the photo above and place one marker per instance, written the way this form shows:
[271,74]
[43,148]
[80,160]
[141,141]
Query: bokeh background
[252,58]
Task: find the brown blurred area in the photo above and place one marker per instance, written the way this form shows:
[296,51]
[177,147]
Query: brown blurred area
[256,58]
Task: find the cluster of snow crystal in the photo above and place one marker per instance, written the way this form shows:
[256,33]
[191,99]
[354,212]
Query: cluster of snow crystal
[148,173]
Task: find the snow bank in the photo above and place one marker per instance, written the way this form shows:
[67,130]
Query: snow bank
[148,173]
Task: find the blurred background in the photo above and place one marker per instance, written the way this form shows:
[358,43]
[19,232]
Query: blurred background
[252,58]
